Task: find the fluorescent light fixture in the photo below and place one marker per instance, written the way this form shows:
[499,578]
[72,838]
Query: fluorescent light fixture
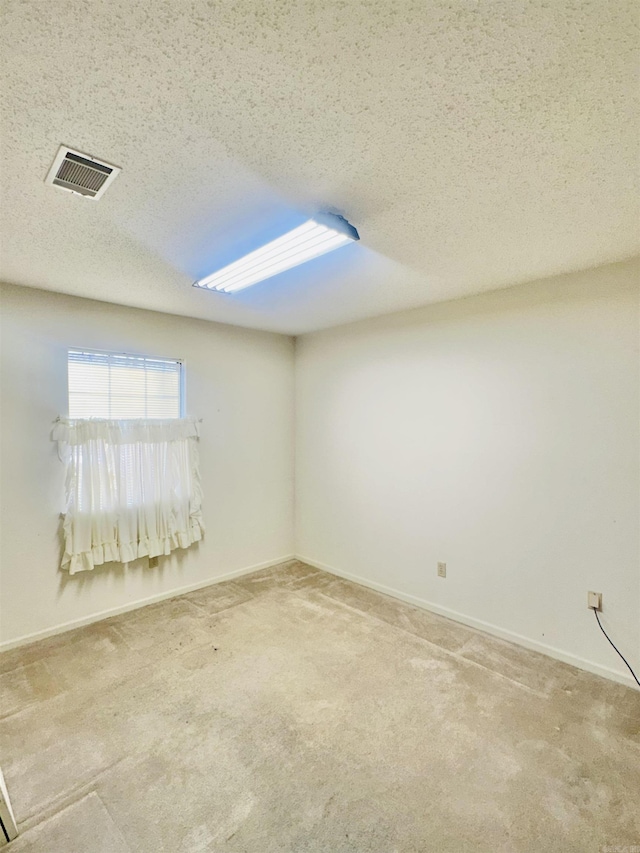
[322,234]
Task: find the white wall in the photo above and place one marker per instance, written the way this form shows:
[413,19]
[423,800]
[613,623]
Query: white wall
[239,381]
[499,434]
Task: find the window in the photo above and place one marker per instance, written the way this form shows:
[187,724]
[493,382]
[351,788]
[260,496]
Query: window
[132,472]
[119,385]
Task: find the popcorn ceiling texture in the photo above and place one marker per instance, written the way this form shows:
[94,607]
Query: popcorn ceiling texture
[474,145]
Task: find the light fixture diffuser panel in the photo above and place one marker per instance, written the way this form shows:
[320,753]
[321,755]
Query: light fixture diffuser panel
[324,233]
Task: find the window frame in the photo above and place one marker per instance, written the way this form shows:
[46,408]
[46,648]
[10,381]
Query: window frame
[182,375]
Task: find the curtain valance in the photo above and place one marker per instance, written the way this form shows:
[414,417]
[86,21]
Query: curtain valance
[124,431]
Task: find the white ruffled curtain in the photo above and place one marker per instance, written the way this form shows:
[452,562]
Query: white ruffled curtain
[132,489]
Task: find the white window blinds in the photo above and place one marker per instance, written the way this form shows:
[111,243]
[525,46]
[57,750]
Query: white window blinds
[118,385]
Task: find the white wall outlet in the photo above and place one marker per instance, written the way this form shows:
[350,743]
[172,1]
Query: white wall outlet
[594,600]
[442,570]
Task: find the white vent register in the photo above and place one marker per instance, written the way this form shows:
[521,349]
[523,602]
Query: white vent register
[81,174]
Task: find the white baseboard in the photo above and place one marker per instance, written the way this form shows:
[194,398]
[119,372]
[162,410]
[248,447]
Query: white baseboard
[134,605]
[487,627]
[496,631]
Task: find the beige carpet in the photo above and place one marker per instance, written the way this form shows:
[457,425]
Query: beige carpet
[292,711]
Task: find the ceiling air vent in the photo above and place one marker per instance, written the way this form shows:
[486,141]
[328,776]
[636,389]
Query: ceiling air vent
[81,174]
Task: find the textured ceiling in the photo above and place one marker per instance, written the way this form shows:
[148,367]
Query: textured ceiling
[473,144]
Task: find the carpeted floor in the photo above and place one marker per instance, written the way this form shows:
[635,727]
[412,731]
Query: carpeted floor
[293,711]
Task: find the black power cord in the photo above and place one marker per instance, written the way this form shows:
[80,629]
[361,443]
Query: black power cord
[614,646]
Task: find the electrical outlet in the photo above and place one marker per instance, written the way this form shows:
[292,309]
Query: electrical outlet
[594,600]
[442,570]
